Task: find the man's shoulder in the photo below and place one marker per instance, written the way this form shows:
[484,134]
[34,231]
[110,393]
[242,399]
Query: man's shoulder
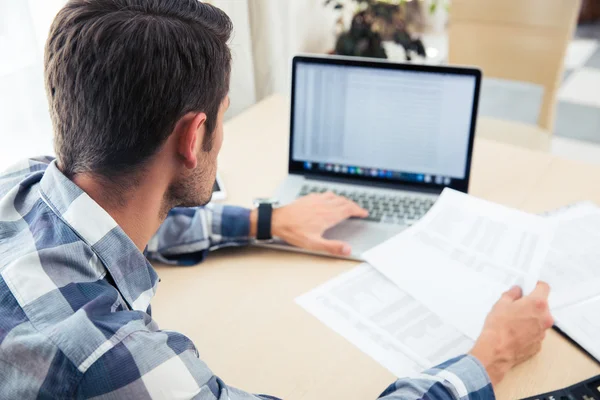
[73,342]
[14,174]
[66,295]
[41,254]
[58,307]
[19,191]
[26,166]
[47,344]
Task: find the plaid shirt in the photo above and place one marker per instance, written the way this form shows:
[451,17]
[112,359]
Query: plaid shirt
[75,318]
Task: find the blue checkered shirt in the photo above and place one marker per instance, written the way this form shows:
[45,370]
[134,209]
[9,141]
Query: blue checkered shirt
[75,318]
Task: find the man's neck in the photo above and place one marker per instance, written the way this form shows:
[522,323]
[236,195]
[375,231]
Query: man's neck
[138,211]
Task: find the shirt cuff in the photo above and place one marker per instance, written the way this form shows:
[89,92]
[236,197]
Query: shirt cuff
[467,376]
[231,222]
[461,378]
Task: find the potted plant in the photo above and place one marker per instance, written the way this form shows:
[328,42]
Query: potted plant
[377,21]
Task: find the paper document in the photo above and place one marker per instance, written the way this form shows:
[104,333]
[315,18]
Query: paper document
[581,323]
[383,321]
[463,254]
[572,267]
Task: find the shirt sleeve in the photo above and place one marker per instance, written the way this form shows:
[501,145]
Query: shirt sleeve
[155,365]
[458,379]
[187,234]
[165,365]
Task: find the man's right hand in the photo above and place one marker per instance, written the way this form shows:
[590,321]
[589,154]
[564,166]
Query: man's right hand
[513,331]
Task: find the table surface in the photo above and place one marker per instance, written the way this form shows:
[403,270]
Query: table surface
[255,337]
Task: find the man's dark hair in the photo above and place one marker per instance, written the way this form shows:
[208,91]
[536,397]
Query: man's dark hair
[121,73]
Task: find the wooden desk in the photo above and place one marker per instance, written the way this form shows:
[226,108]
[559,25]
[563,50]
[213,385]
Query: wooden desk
[255,337]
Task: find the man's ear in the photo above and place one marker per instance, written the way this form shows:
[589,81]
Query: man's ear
[192,129]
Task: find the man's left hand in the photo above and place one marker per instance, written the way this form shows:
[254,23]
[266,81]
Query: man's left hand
[303,222]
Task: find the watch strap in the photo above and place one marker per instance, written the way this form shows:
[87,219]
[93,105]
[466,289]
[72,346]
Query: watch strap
[263,228]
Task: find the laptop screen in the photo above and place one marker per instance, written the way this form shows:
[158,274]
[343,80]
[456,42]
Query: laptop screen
[405,125]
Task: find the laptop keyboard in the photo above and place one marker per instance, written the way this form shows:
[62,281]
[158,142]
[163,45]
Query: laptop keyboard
[392,209]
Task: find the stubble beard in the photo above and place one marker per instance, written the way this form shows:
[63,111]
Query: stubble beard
[192,190]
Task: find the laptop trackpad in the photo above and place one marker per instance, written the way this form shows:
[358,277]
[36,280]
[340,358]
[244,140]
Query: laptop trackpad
[362,235]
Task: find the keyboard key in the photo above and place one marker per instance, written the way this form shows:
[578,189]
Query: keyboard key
[388,219]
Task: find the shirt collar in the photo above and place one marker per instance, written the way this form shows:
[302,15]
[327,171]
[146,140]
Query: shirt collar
[133,274]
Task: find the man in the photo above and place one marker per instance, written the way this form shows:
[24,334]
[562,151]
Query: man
[137,91]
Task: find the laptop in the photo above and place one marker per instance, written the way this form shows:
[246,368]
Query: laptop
[388,136]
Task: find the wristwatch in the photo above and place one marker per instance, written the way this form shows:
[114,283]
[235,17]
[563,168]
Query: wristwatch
[263,226]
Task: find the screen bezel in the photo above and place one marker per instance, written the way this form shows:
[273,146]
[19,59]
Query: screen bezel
[297,167]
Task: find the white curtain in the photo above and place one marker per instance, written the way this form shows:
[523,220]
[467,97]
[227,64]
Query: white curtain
[267,33]
[25,128]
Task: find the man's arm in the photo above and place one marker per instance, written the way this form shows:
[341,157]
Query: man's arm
[165,364]
[513,332]
[187,234]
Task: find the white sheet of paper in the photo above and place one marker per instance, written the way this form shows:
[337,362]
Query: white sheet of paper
[463,254]
[582,323]
[386,323]
[572,268]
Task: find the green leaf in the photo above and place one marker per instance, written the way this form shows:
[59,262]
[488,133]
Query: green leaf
[433,7]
